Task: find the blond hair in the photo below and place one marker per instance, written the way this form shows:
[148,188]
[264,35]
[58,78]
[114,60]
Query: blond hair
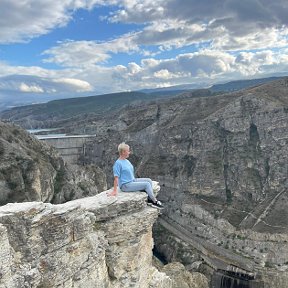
[122,147]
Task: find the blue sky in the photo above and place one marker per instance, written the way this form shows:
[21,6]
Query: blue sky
[53,49]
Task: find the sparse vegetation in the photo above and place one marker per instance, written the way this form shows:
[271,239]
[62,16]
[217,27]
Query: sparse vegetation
[59,180]
[2,148]
[268,264]
[228,196]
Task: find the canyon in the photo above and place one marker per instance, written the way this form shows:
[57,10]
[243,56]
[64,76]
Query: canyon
[221,161]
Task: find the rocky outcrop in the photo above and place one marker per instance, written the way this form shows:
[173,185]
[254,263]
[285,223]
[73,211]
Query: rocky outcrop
[91,242]
[184,279]
[31,170]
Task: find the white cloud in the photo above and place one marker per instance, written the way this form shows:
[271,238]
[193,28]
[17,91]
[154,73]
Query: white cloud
[133,68]
[207,66]
[229,25]
[138,11]
[23,20]
[83,53]
[223,32]
[162,74]
[75,84]
[33,84]
[262,39]
[208,62]
[6,69]
[30,88]
[251,13]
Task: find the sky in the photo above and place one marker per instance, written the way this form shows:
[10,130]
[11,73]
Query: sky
[51,49]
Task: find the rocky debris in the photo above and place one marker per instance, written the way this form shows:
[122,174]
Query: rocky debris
[184,279]
[96,241]
[31,170]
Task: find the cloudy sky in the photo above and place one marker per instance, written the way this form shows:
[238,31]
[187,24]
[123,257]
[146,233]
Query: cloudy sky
[77,47]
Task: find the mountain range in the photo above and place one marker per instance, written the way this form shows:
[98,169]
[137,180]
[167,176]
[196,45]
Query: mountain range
[53,113]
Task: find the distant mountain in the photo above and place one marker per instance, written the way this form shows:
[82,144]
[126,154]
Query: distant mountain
[176,89]
[223,87]
[241,84]
[14,92]
[46,114]
[53,113]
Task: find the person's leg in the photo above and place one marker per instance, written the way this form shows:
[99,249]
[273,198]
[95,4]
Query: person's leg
[144,180]
[138,186]
[153,198]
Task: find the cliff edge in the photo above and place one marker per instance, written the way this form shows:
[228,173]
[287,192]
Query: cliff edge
[90,242]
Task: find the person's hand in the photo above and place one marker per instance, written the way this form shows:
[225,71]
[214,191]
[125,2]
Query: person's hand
[112,193]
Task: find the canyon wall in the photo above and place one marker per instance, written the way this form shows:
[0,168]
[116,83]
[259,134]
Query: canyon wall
[31,170]
[222,163]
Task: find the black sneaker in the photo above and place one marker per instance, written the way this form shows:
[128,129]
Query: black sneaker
[149,200]
[157,204]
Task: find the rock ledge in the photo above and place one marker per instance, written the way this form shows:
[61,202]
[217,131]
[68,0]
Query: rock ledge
[98,241]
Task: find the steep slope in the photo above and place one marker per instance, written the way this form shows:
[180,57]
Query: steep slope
[222,162]
[51,114]
[92,242]
[230,147]
[30,170]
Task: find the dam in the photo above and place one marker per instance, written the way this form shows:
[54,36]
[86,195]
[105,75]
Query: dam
[70,147]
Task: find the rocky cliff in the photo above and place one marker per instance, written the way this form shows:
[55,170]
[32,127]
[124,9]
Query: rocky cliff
[222,161]
[96,241]
[91,242]
[222,164]
[30,170]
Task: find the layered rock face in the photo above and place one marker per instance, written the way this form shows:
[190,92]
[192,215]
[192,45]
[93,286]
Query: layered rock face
[90,242]
[222,162]
[31,170]
[182,278]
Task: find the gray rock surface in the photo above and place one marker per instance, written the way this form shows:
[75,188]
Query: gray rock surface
[31,170]
[184,279]
[96,241]
[222,162]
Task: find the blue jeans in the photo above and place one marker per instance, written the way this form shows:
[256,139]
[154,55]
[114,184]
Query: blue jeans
[139,184]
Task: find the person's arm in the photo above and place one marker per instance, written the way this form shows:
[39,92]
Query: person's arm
[115,187]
